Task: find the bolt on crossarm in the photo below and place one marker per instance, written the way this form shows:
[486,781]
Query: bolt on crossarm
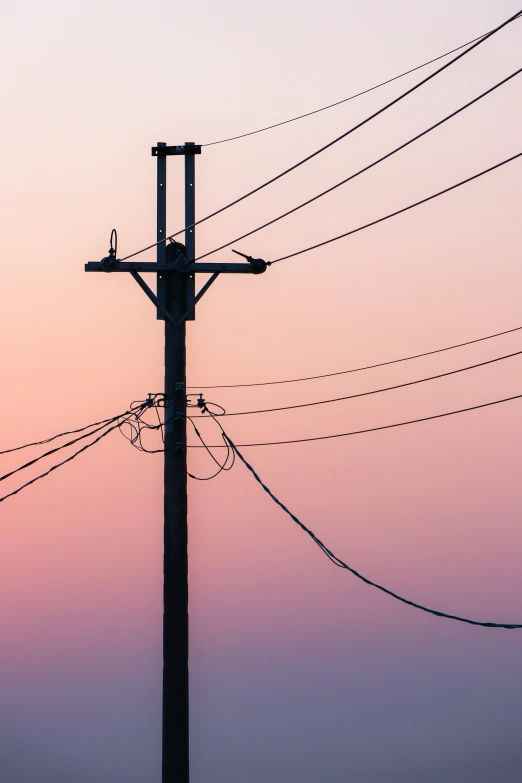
[175,301]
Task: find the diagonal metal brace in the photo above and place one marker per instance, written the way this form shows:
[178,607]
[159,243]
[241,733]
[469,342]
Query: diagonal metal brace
[198,296]
[155,301]
[153,298]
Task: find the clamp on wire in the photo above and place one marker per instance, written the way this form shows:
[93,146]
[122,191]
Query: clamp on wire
[202,404]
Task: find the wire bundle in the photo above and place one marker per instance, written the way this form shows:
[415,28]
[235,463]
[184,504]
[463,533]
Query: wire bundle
[101,429]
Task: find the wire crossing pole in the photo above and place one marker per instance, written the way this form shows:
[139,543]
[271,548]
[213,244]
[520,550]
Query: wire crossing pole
[175,303]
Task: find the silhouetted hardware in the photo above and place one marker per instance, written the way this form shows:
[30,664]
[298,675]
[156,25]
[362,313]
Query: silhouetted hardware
[180,149]
[257,265]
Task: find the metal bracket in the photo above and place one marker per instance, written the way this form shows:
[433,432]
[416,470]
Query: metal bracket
[155,301]
[198,296]
[179,149]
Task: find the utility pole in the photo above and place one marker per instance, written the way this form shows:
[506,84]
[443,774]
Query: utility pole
[175,303]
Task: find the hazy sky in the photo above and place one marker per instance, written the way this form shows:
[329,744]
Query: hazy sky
[298,671]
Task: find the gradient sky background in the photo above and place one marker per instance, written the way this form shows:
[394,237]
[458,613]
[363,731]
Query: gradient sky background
[299,672]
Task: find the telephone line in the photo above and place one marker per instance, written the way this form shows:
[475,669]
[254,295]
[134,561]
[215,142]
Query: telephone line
[59,464]
[55,437]
[398,211]
[376,391]
[331,143]
[359,369]
[58,448]
[344,100]
[369,429]
[363,170]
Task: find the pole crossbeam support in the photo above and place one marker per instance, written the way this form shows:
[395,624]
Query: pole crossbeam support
[154,299]
[191,268]
[151,266]
[162,151]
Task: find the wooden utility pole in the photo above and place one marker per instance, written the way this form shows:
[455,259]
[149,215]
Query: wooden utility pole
[175,303]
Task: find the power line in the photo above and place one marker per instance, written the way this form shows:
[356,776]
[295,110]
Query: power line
[334,141]
[377,391]
[55,437]
[227,465]
[135,412]
[343,100]
[59,448]
[370,429]
[361,171]
[341,564]
[59,465]
[398,211]
[358,369]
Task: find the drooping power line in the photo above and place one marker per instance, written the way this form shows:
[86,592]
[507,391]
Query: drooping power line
[341,564]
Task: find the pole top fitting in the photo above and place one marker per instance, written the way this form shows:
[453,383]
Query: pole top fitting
[179,149]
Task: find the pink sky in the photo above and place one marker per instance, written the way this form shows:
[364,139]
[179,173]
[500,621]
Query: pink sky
[299,672]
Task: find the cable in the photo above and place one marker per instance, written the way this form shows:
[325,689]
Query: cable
[136,411]
[361,171]
[358,369]
[59,465]
[372,429]
[341,564]
[59,448]
[398,211]
[221,466]
[331,143]
[137,425]
[344,100]
[377,391]
[54,437]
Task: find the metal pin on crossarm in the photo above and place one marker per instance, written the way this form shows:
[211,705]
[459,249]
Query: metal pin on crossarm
[175,302]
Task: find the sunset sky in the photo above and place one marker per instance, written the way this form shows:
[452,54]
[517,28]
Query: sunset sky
[298,671]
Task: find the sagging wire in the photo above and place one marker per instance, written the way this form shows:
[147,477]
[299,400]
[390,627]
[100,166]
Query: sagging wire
[137,424]
[230,458]
[341,564]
